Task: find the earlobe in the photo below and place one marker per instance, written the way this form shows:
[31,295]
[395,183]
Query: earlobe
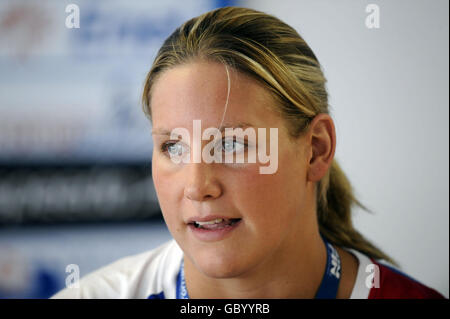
[322,137]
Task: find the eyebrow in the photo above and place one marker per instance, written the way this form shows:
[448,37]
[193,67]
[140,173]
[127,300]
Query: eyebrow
[162,131]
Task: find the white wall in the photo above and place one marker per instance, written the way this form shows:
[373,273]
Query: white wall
[389,99]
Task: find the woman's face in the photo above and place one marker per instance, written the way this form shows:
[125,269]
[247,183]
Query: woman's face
[271,210]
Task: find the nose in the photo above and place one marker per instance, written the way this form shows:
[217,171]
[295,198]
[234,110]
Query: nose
[201,183]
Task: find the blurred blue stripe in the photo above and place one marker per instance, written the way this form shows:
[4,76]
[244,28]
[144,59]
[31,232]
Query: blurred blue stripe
[225,3]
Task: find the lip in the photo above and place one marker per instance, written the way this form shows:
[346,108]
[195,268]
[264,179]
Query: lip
[212,235]
[207,218]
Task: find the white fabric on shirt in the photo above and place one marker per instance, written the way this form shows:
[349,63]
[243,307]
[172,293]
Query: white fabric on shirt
[156,271]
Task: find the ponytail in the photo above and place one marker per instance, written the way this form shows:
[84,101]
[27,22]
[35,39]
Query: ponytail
[335,200]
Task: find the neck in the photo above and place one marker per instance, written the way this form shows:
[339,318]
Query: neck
[293,271]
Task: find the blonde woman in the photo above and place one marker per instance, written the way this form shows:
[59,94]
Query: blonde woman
[240,231]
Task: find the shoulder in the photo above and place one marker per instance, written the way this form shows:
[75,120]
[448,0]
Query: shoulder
[138,276]
[380,280]
[393,283]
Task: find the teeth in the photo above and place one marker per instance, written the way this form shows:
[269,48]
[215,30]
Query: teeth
[211,222]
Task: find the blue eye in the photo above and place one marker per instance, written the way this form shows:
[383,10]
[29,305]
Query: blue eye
[174,149]
[231,145]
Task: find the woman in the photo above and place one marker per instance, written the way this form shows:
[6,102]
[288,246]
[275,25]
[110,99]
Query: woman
[239,231]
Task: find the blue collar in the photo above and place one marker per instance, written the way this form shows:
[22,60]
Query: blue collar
[328,287]
[181,283]
[330,282]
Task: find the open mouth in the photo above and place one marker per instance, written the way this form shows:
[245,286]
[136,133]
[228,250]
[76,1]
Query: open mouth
[215,224]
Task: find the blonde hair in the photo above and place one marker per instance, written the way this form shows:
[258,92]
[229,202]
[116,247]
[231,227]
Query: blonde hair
[274,54]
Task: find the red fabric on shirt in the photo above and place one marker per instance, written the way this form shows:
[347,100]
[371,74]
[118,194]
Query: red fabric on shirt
[397,285]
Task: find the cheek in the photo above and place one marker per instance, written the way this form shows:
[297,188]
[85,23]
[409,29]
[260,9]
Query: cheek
[270,201]
[252,194]
[167,188]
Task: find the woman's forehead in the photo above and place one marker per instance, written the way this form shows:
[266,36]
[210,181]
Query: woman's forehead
[199,90]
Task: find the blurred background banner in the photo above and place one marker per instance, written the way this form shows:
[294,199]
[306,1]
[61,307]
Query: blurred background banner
[76,190]
[72,95]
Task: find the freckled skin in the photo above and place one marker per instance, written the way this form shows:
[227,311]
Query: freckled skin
[274,208]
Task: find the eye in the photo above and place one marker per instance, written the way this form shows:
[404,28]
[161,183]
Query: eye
[173,149]
[231,145]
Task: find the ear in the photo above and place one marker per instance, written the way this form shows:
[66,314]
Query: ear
[322,140]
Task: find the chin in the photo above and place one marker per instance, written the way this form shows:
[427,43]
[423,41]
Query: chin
[219,266]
